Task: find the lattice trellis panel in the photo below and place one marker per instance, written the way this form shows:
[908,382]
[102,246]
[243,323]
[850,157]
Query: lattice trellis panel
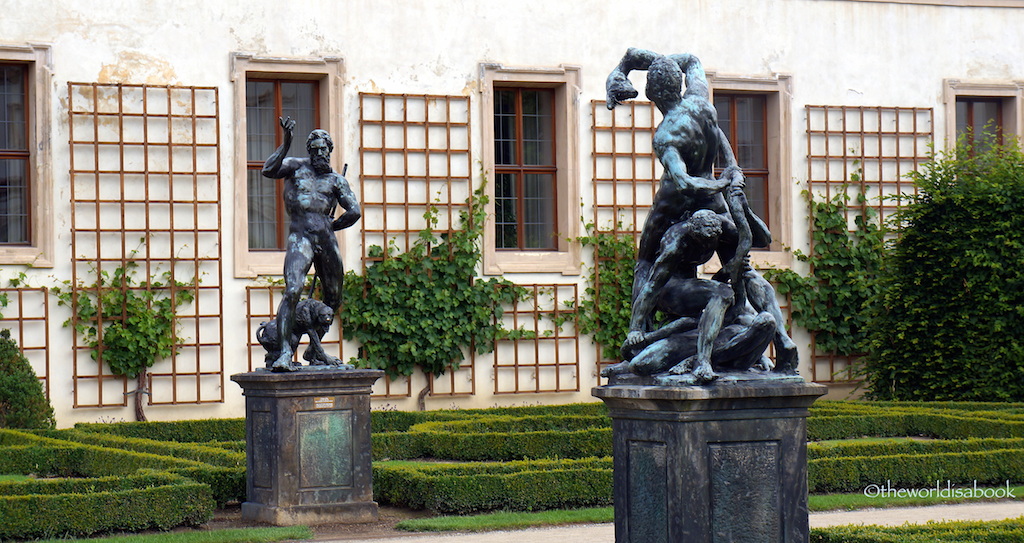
[547,360]
[626,172]
[413,156]
[27,316]
[262,302]
[864,151]
[145,171]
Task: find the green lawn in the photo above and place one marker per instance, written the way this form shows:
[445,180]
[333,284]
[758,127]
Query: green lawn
[508,521]
[243,535]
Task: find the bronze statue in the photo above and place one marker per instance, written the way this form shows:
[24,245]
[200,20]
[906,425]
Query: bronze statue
[312,192]
[688,142]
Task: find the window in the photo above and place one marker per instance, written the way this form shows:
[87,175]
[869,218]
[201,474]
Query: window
[26,229]
[266,101]
[754,113]
[985,113]
[979,120]
[14,156]
[743,119]
[530,126]
[524,163]
[307,90]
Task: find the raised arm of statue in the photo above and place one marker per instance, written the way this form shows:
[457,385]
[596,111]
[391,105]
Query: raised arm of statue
[618,89]
[275,167]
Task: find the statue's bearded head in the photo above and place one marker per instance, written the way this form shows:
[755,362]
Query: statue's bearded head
[320,145]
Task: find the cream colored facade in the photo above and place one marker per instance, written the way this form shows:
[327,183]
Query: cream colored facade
[799,53]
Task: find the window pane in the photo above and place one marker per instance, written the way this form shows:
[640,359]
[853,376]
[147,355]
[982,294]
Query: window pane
[13,201]
[13,130]
[724,106]
[750,145]
[261,121]
[538,211]
[504,127]
[505,213]
[538,119]
[263,202]
[298,102]
[757,196]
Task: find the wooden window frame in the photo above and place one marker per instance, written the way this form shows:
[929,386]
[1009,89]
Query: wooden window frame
[520,170]
[1009,94]
[328,71]
[777,90]
[764,172]
[38,251]
[565,81]
[257,164]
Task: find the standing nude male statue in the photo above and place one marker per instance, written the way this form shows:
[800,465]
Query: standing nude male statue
[312,191]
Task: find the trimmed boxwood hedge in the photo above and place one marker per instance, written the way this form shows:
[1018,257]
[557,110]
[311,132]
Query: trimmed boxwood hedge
[28,453]
[490,486]
[1005,531]
[983,442]
[184,431]
[82,507]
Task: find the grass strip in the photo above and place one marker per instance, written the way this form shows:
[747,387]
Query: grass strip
[235,535]
[522,520]
[857,500]
[508,520]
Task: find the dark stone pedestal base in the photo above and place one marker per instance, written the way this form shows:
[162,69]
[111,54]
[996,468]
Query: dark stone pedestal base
[307,440]
[722,463]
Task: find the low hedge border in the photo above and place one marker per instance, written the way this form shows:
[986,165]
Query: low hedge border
[888,448]
[481,487]
[83,507]
[851,474]
[28,453]
[1005,531]
[184,431]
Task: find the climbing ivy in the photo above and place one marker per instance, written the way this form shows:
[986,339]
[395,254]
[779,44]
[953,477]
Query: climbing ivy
[605,311]
[425,307]
[128,323]
[831,300]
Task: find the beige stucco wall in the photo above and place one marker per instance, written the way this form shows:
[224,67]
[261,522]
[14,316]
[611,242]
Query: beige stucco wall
[837,52]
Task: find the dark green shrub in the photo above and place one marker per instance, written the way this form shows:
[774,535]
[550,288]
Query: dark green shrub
[22,401]
[946,324]
[487,486]
[183,431]
[81,507]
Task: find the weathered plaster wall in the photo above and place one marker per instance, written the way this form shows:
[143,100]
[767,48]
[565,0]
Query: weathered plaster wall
[838,53]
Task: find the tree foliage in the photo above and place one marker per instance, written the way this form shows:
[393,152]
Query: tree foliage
[22,401]
[946,324]
[424,307]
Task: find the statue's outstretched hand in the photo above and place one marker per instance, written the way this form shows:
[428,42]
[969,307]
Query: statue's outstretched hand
[287,123]
[618,89]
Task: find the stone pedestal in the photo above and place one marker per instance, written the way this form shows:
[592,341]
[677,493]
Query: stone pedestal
[307,441]
[722,463]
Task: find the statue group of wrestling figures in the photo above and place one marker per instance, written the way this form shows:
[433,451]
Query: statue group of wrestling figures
[709,326]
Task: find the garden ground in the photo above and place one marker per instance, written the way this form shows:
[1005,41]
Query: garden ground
[384,531]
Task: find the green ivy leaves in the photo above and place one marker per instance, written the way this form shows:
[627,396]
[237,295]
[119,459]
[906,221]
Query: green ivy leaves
[606,310]
[831,300]
[133,321]
[425,307]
